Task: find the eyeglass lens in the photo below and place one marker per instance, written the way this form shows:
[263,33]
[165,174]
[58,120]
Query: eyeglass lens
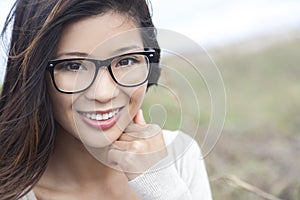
[76,75]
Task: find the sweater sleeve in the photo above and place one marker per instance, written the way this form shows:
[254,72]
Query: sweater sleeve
[182,175]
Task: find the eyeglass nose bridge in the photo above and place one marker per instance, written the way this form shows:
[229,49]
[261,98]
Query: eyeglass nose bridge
[103,64]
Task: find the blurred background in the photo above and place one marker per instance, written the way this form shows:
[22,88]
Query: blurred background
[255,46]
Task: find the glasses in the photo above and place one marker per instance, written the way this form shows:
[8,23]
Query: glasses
[75,75]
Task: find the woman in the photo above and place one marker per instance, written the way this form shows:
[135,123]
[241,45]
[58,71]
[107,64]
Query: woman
[71,125]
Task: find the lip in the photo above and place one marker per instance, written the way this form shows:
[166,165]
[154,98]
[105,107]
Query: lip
[103,124]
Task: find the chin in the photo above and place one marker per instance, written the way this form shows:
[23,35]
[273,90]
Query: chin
[100,139]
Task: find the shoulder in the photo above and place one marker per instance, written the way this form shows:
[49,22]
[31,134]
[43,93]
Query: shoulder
[189,163]
[29,196]
[181,145]
[184,153]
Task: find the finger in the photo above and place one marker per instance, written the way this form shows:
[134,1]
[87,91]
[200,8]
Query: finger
[122,160]
[141,135]
[119,145]
[114,157]
[139,118]
[141,128]
[130,162]
[127,137]
[133,147]
[136,128]
[142,132]
[133,162]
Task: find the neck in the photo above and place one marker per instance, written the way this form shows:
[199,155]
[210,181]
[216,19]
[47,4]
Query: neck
[73,165]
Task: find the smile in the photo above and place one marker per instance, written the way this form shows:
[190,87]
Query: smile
[101,116]
[101,120]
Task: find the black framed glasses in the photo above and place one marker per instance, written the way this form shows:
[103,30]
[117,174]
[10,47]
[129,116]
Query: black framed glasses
[73,75]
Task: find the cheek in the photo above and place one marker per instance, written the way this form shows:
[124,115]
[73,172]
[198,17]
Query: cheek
[61,106]
[136,97]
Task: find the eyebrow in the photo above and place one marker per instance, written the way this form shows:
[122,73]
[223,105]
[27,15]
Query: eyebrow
[78,54]
[125,49]
[116,52]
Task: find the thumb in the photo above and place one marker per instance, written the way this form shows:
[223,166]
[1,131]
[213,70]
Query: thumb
[139,118]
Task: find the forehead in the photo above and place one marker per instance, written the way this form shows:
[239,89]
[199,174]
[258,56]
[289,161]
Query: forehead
[100,35]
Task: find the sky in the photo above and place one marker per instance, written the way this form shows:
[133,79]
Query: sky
[214,22]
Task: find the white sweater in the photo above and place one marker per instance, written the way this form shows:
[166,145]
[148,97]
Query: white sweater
[180,176]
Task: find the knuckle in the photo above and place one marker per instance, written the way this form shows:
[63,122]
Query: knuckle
[156,127]
[131,127]
[153,130]
[128,162]
[135,146]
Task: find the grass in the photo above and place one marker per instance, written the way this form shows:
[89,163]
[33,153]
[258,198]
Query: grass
[260,140]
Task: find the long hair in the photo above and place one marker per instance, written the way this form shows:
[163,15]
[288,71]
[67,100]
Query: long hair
[27,128]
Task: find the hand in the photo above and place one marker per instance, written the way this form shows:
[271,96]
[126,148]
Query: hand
[140,147]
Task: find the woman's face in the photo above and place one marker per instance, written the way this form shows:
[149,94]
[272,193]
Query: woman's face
[98,37]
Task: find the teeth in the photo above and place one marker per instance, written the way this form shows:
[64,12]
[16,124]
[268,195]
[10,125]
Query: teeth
[105,116]
[100,117]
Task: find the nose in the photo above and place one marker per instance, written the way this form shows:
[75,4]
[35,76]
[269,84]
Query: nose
[104,89]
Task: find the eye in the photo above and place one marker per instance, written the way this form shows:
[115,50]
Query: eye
[71,66]
[127,62]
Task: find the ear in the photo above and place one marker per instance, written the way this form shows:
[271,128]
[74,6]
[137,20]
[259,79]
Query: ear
[139,118]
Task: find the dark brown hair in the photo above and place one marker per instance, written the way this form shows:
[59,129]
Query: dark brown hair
[27,130]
